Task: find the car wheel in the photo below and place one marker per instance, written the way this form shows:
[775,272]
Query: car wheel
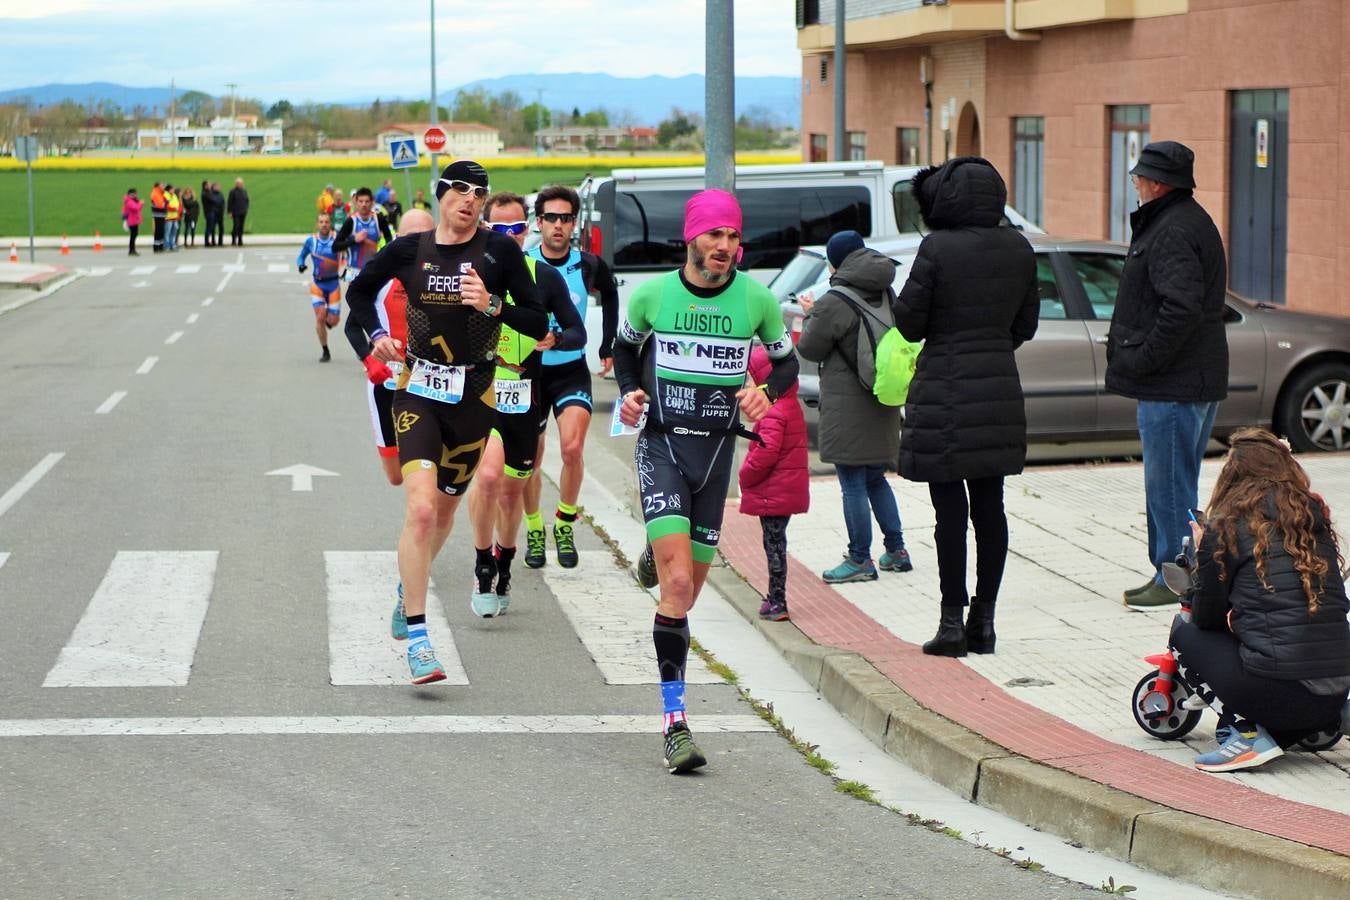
[1315,411]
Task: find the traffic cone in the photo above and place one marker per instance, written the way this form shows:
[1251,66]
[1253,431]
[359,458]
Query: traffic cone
[98,242]
[65,246]
[13,252]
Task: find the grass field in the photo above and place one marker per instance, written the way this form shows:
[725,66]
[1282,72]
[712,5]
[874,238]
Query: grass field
[78,202]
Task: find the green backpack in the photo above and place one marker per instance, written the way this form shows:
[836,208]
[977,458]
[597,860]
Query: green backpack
[886,360]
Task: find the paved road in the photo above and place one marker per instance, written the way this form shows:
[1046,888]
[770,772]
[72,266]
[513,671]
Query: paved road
[197,695]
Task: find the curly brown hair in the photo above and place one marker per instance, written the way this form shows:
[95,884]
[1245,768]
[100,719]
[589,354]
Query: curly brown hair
[1259,473]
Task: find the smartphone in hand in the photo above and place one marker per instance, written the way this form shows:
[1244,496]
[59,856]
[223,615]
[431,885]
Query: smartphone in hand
[1197,516]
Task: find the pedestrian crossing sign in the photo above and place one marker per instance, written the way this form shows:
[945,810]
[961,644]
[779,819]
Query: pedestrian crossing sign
[403,153]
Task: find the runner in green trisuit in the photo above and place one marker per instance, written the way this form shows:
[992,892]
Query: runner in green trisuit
[700,321]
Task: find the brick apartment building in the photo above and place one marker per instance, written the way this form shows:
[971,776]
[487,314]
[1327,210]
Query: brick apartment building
[1063,99]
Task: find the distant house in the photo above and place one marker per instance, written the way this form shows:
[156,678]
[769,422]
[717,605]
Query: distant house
[241,134]
[350,145]
[461,138]
[96,134]
[565,138]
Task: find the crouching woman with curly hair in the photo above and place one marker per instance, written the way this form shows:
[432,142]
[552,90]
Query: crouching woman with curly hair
[1268,646]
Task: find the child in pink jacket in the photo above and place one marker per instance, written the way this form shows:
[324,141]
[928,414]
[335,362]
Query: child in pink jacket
[775,482]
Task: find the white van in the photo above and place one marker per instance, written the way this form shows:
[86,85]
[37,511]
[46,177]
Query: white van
[633,219]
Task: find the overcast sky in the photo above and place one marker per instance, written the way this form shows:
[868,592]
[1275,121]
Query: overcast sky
[325,51]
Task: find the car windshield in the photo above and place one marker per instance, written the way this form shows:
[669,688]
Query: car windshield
[802,271]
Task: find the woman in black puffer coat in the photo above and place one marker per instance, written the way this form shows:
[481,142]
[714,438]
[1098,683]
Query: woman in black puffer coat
[1267,646]
[971,298]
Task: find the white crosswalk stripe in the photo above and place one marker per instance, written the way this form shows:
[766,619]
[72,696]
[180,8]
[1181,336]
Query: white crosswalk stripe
[142,625]
[98,271]
[143,270]
[614,620]
[361,597]
[3,557]
[188,269]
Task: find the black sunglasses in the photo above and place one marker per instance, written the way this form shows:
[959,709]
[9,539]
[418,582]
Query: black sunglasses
[565,218]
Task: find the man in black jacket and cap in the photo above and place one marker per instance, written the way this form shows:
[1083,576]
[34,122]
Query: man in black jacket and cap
[1167,347]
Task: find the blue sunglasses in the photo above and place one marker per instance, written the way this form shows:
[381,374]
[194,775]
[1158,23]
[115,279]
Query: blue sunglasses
[508,227]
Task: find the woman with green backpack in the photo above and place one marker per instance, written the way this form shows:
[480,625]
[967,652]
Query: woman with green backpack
[859,433]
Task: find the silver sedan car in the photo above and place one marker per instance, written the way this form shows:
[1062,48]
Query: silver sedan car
[1288,371]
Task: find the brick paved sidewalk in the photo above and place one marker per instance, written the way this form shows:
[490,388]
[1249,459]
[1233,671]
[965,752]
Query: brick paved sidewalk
[1069,654]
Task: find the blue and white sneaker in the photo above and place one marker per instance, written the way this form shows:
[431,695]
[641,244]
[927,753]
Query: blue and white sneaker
[485,604]
[1240,751]
[503,593]
[423,665]
[398,622]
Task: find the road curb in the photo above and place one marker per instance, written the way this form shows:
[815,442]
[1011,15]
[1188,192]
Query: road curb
[1202,851]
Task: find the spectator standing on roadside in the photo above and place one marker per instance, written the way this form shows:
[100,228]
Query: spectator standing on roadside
[325,202]
[173,218]
[775,482]
[1167,347]
[208,213]
[131,214]
[237,206]
[858,433]
[382,192]
[972,298]
[157,214]
[191,210]
[420,200]
[218,201]
[393,210]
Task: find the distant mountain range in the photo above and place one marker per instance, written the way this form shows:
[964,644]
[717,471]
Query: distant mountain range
[643,101]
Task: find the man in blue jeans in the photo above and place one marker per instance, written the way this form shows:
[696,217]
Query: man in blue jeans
[1167,347]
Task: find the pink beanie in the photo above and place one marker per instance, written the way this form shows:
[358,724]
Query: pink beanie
[710,209]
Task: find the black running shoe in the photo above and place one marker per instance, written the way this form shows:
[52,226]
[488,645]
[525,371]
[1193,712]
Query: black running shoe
[564,545]
[681,753]
[646,569]
[326,356]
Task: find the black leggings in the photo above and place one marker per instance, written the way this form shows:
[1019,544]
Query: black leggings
[774,531]
[1211,666]
[985,510]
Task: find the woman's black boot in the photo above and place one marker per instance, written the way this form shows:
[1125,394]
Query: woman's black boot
[950,639]
[980,635]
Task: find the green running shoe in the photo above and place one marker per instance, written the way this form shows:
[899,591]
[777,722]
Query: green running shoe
[398,622]
[681,753]
[646,569]
[565,546]
[423,665]
[534,548]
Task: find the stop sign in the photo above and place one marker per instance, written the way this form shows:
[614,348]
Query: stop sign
[434,139]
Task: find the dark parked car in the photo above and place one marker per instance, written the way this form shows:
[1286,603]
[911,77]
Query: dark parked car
[1289,371]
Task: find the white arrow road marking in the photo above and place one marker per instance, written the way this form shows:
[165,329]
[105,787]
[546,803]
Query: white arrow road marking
[107,405]
[361,592]
[302,475]
[147,365]
[142,625]
[173,338]
[25,484]
[306,725]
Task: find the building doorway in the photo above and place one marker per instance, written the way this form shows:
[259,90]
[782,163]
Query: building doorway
[1258,221]
[968,131]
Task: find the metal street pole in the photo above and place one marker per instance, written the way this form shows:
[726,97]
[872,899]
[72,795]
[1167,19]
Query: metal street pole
[32,251]
[719,98]
[435,117]
[234,122]
[840,65]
